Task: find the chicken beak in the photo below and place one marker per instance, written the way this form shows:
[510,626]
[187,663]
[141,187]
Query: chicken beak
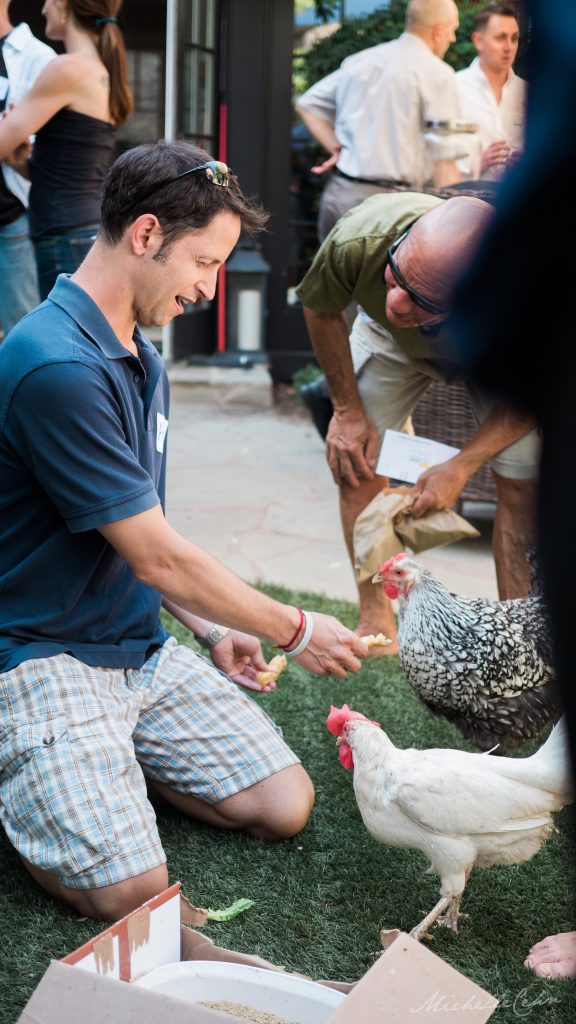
[377,578]
[339,741]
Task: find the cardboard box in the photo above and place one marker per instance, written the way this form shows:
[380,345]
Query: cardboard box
[409,982]
[89,986]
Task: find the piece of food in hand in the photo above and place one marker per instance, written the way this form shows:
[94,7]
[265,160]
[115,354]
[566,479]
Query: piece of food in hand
[277,665]
[265,678]
[376,640]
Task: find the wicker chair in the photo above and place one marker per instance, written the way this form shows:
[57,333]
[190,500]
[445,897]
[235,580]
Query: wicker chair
[444,414]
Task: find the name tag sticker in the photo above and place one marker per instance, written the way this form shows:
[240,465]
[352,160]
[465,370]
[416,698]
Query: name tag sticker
[161,428]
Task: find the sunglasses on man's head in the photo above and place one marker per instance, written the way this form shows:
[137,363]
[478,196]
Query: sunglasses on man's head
[416,297]
[217,172]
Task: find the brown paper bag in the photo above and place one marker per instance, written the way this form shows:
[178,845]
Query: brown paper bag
[375,538]
[441,527]
[386,528]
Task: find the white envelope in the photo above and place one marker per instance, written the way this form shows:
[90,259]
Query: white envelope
[404,456]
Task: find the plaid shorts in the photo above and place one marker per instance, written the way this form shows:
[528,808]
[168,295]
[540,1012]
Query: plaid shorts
[77,743]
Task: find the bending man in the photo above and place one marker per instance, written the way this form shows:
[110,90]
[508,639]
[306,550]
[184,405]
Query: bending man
[399,256]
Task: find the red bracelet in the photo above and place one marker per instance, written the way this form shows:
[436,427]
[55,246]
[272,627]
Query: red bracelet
[293,639]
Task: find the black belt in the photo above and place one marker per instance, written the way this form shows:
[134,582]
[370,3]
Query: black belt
[381,182]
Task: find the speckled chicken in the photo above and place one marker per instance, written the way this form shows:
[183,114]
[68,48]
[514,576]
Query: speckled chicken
[485,666]
[459,809]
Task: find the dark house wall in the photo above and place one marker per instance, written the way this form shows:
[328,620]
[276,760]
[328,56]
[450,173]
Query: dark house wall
[258,75]
[143,22]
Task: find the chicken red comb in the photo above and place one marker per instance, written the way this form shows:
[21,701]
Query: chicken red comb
[339,716]
[391,561]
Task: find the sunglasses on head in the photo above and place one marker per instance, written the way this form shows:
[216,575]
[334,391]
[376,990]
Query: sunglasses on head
[416,297]
[217,172]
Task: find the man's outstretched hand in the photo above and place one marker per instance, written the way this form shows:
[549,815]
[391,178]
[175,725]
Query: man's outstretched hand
[240,657]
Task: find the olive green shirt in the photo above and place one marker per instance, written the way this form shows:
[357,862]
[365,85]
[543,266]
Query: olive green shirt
[350,265]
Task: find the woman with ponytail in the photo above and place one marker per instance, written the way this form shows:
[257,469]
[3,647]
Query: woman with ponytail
[74,109]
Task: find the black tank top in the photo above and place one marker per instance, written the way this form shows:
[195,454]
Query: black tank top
[69,161]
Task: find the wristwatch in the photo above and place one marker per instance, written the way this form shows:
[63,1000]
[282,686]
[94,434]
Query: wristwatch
[213,637]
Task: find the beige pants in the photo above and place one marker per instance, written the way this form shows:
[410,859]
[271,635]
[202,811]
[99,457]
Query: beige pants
[339,196]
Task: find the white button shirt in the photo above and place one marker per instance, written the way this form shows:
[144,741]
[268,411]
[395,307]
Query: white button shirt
[496,121]
[377,102]
[24,57]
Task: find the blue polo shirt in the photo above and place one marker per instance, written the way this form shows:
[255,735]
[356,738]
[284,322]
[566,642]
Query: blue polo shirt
[82,444]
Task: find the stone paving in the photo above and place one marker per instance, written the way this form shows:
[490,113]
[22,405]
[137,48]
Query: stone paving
[248,481]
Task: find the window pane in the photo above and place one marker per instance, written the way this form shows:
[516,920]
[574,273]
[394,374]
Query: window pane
[198,93]
[200,23]
[146,74]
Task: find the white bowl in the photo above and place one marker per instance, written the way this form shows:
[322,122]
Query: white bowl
[294,999]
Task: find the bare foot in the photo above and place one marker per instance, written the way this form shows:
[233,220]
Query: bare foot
[376,616]
[554,956]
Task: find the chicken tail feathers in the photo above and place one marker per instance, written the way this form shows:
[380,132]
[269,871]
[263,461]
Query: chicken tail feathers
[548,770]
[552,763]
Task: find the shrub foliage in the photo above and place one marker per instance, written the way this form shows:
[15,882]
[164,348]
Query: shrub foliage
[382,25]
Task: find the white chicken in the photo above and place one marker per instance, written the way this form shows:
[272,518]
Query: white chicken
[459,809]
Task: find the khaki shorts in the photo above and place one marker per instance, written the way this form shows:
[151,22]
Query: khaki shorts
[391,382]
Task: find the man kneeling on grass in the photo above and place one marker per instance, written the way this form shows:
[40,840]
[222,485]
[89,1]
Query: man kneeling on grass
[95,697]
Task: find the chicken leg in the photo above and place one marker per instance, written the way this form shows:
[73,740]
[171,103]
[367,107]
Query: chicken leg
[445,914]
[420,931]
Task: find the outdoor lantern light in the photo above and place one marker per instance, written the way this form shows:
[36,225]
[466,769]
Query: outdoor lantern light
[246,279]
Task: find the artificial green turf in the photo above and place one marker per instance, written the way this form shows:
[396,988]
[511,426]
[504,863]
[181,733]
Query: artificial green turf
[322,897]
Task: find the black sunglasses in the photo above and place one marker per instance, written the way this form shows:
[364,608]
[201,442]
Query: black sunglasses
[217,172]
[417,299]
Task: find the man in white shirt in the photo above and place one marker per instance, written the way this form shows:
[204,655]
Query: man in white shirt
[22,58]
[492,95]
[369,113]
